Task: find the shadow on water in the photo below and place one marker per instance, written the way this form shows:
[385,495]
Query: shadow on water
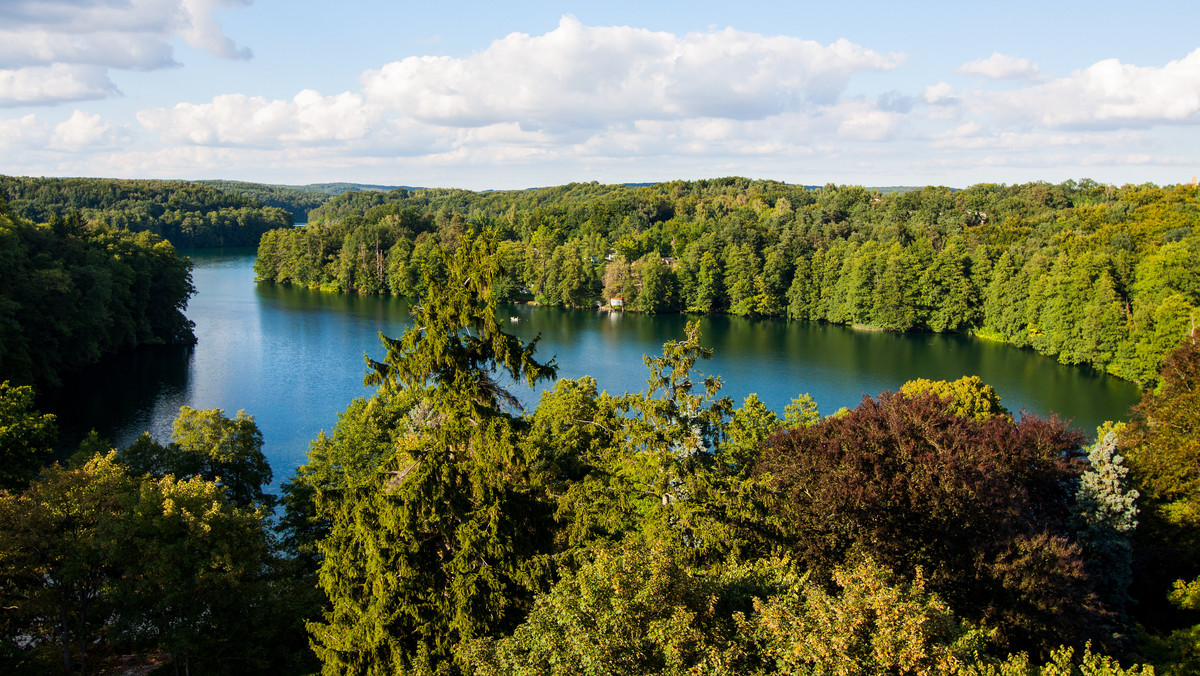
[116,394]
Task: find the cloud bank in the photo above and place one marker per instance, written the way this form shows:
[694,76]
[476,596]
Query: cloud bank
[53,51]
[581,101]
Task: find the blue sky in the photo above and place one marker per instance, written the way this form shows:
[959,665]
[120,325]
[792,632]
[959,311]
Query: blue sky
[511,95]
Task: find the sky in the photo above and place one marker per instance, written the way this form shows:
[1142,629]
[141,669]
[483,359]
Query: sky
[524,94]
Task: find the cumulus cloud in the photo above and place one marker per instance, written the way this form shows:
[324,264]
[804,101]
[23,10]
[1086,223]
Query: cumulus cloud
[87,131]
[577,91]
[578,75]
[239,120]
[1106,95]
[941,93]
[1001,67]
[53,84]
[76,42]
[23,132]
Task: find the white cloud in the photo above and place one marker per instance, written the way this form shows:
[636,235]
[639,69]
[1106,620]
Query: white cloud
[972,136]
[940,94]
[76,42]
[579,76]
[1106,95]
[204,31]
[87,131]
[239,120]
[53,84]
[607,93]
[23,132]
[1001,67]
[860,121]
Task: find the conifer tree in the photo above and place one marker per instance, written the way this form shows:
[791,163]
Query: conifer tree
[440,543]
[1106,512]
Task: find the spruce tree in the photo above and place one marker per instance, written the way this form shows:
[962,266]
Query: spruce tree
[441,542]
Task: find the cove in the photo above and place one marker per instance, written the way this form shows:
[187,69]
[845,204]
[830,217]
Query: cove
[293,358]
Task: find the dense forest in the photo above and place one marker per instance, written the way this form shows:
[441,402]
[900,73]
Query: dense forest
[438,529]
[186,214]
[1089,273]
[72,291]
[298,200]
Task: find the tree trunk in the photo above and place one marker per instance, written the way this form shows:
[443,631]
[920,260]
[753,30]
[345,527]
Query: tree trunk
[66,636]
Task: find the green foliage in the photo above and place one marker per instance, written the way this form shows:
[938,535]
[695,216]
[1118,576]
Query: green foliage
[872,624]
[1062,663]
[968,396]
[630,611]
[25,437]
[1163,447]
[186,214]
[802,412]
[71,294]
[456,489]
[94,562]
[636,610]
[207,444]
[1090,274]
[749,428]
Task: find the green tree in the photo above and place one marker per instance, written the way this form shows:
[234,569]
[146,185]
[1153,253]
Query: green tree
[55,555]
[205,443]
[660,286]
[710,289]
[1106,513]
[441,543]
[1004,299]
[968,396]
[192,581]
[634,610]
[25,436]
[742,266]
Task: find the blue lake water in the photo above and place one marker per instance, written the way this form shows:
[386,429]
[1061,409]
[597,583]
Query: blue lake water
[293,358]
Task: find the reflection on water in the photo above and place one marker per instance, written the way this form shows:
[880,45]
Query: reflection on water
[293,358]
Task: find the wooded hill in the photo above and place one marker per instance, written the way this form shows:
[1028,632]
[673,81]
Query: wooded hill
[72,291]
[298,200]
[186,214]
[1089,273]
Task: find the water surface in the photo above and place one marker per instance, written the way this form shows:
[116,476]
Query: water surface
[293,358]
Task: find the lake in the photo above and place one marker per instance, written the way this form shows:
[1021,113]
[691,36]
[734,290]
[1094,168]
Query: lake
[293,358]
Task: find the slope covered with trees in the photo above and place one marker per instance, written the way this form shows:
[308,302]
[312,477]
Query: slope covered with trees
[186,214]
[1088,273]
[71,292]
[298,200]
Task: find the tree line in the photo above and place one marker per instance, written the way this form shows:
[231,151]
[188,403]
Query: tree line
[298,200]
[186,214]
[72,291]
[439,529]
[1089,273]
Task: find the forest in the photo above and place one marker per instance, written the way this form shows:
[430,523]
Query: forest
[298,200]
[189,215]
[439,528]
[1088,273]
[71,292]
